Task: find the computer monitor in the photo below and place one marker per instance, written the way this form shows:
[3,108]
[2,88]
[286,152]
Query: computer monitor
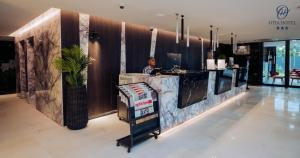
[173,59]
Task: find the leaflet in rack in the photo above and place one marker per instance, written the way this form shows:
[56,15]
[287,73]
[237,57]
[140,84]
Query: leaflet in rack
[141,98]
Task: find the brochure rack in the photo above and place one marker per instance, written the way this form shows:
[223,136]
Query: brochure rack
[139,102]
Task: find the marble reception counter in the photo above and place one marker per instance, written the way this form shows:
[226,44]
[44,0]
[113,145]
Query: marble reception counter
[168,87]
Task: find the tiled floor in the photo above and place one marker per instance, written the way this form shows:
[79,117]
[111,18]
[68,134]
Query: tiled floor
[263,123]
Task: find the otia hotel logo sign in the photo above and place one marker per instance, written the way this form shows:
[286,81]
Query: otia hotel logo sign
[281,23]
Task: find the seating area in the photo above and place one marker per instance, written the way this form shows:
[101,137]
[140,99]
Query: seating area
[279,79]
[295,77]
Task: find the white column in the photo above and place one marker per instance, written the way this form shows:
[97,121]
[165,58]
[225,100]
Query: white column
[123,50]
[84,24]
[153,42]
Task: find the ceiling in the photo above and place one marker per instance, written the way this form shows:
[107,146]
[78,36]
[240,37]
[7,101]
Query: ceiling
[249,19]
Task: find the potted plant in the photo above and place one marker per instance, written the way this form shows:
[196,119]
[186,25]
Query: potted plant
[73,63]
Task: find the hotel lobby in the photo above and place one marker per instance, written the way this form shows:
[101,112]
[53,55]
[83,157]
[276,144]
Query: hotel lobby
[137,78]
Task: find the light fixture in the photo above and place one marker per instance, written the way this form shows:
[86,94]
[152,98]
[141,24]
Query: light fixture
[202,53]
[188,36]
[177,29]
[152,28]
[217,38]
[182,27]
[211,37]
[93,35]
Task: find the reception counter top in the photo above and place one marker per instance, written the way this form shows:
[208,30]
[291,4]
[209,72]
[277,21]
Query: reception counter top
[168,87]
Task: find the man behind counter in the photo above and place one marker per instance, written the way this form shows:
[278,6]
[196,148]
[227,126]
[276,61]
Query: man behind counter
[151,66]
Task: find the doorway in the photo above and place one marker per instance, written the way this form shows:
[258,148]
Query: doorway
[274,54]
[281,63]
[294,67]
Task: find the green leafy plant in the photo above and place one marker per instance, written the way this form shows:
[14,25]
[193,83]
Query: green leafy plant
[73,62]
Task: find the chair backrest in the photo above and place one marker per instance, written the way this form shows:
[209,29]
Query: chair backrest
[274,74]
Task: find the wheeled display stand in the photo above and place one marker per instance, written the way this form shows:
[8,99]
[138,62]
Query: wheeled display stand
[142,127]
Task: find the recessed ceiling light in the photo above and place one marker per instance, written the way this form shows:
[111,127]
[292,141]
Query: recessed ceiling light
[160,14]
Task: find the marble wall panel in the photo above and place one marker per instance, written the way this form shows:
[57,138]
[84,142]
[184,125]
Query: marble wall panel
[153,42]
[22,74]
[46,79]
[84,24]
[123,49]
[30,72]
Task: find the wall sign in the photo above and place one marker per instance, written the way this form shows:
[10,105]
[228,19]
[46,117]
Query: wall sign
[282,22]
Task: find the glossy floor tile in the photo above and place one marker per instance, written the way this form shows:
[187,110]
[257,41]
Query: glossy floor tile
[262,123]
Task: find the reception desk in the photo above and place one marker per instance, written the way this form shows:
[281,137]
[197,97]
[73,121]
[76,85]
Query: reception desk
[168,88]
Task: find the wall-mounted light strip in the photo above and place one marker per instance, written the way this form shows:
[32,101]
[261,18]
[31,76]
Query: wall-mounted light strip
[37,21]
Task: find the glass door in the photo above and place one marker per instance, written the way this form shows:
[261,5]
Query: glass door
[294,63]
[274,63]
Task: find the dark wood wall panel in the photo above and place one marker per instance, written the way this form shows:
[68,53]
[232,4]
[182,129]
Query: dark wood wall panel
[103,74]
[256,63]
[69,28]
[165,43]
[191,57]
[138,43]
[69,37]
[194,58]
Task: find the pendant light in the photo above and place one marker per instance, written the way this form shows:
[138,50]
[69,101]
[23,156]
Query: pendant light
[211,37]
[231,42]
[217,37]
[188,36]
[235,50]
[182,27]
[177,29]
[202,53]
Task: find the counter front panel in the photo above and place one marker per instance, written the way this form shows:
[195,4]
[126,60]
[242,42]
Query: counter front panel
[223,81]
[192,88]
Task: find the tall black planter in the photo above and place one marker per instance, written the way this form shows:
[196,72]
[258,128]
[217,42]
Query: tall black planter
[76,108]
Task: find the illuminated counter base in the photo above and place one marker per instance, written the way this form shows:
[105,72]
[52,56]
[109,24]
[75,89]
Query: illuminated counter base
[167,87]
